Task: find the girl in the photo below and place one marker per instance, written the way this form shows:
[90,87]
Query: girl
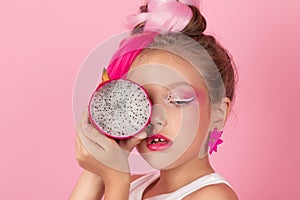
[190,81]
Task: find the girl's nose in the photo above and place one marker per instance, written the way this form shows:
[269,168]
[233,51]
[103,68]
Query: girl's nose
[158,119]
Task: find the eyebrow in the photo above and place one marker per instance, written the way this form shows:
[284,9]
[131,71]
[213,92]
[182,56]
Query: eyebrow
[176,84]
[179,84]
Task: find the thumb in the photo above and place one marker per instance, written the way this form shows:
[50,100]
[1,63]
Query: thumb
[130,143]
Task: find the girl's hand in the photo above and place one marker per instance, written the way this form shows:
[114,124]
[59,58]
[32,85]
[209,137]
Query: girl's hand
[102,155]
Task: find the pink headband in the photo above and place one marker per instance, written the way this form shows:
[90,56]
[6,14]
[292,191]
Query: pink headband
[129,49]
[165,15]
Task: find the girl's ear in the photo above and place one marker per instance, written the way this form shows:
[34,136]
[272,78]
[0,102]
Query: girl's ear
[218,119]
[220,114]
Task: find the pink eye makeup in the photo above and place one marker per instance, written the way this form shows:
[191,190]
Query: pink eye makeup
[180,95]
[172,99]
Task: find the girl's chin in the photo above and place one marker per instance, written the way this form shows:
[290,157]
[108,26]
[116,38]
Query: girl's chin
[159,159]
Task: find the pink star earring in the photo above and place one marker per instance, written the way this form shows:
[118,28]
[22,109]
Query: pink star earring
[214,140]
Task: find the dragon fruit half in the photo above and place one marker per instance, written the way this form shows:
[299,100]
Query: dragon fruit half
[119,108]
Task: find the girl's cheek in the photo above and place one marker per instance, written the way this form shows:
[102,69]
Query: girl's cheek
[205,107]
[202,98]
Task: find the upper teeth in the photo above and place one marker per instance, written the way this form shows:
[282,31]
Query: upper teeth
[158,140]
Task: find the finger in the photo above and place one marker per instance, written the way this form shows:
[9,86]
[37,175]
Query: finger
[130,143]
[88,144]
[87,151]
[80,148]
[77,144]
[95,136]
[112,159]
[84,116]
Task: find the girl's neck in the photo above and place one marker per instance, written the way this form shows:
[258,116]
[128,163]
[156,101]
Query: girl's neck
[179,176]
[175,178]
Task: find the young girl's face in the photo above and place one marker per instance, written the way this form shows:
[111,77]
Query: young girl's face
[181,108]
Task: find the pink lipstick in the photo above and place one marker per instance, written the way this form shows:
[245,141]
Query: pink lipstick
[158,142]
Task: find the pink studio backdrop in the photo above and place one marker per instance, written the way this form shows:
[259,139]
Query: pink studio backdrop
[43,44]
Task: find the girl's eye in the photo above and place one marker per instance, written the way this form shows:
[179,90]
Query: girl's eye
[181,102]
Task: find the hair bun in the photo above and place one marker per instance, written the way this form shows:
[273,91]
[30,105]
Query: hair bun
[197,24]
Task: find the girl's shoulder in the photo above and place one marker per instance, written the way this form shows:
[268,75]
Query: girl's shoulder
[219,191]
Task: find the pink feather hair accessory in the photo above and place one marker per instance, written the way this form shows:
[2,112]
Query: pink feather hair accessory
[164,15]
[129,49]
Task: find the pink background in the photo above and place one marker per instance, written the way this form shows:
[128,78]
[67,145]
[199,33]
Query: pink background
[43,44]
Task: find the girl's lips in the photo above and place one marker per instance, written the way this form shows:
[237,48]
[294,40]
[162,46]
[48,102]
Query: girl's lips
[158,142]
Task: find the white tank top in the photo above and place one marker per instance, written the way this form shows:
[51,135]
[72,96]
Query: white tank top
[138,186]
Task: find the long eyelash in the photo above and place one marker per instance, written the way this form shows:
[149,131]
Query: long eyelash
[179,102]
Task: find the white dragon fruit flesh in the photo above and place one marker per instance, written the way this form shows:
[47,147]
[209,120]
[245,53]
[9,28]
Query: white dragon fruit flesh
[119,108]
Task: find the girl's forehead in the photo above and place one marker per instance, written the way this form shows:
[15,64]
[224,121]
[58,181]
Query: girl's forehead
[164,68]
[158,56]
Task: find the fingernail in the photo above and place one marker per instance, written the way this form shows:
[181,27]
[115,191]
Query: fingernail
[142,135]
[86,127]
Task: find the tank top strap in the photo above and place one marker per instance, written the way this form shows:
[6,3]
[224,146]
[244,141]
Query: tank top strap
[138,186]
[186,190]
[201,182]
